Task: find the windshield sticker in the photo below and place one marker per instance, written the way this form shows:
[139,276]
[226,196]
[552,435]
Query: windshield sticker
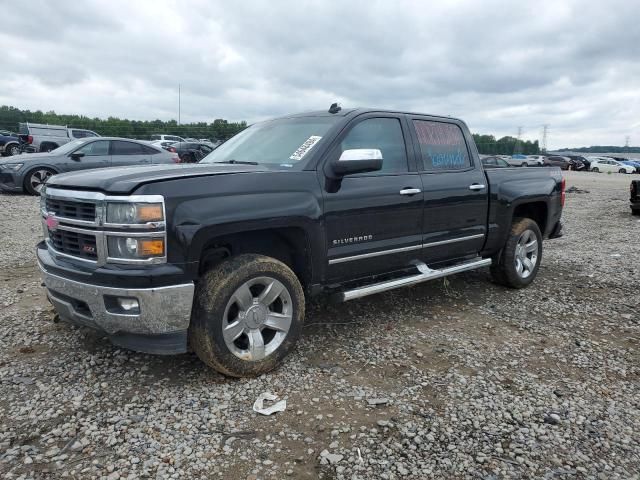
[305,147]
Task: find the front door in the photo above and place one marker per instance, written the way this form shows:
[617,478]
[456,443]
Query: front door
[374,220]
[455,191]
[91,155]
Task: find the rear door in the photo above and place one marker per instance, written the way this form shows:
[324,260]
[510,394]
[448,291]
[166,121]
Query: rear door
[455,190]
[374,220]
[128,153]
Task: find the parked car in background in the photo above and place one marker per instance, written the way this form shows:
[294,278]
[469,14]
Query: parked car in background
[579,158]
[169,138]
[9,144]
[494,162]
[29,172]
[163,143]
[523,161]
[557,161]
[609,165]
[634,199]
[190,152]
[632,162]
[45,138]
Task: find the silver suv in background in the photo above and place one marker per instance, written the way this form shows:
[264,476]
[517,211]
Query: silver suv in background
[45,138]
[29,172]
[166,138]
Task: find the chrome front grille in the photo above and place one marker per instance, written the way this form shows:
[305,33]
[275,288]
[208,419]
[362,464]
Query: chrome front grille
[72,209]
[74,225]
[74,243]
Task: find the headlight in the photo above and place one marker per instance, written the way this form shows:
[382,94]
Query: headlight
[135,248]
[134,213]
[11,166]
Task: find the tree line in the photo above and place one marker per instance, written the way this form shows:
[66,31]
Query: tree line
[602,149]
[487,144]
[219,129]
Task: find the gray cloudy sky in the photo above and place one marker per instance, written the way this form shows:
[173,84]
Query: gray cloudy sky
[572,64]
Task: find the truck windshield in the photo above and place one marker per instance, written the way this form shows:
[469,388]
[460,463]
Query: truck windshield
[282,143]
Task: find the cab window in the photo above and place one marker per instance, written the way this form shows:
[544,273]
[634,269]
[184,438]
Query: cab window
[384,134]
[442,146]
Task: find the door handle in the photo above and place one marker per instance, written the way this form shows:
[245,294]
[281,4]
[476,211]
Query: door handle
[477,186]
[410,191]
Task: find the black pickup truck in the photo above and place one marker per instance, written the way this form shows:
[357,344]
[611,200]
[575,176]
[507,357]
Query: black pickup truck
[222,254]
[634,197]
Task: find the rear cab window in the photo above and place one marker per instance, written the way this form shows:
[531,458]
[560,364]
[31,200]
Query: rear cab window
[442,146]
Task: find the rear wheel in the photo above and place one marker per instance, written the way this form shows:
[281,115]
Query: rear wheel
[248,315]
[517,264]
[595,169]
[13,149]
[36,178]
[524,164]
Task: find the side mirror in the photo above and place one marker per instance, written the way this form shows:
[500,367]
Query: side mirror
[358,160]
[77,156]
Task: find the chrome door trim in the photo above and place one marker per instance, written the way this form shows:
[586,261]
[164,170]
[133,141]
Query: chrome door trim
[379,253]
[453,240]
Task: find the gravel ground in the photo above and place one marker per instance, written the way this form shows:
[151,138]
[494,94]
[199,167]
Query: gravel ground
[449,379]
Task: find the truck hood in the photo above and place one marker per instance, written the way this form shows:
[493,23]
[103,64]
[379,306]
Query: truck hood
[126,179]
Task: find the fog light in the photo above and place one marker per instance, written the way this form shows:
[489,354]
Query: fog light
[128,304]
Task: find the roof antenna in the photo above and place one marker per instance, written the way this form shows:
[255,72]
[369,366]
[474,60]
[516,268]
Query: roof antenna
[335,108]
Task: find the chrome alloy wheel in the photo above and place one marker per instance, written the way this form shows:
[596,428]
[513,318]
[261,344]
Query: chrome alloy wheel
[257,318]
[38,178]
[526,256]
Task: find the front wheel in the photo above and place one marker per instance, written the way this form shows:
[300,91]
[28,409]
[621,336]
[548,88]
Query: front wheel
[36,178]
[622,170]
[524,164]
[595,169]
[247,315]
[517,264]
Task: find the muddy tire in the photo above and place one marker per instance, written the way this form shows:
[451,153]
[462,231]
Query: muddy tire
[247,315]
[517,264]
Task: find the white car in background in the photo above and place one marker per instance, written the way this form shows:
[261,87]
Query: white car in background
[608,165]
[525,161]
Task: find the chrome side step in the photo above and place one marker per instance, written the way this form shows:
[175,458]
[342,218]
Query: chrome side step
[425,274]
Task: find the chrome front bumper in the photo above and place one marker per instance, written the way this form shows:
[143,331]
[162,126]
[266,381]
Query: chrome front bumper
[162,310]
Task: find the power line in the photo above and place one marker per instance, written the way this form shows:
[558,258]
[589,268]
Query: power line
[545,134]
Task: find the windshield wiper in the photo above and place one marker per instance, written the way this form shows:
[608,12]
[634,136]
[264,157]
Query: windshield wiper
[238,162]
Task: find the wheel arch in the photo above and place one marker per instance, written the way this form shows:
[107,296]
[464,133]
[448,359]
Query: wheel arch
[538,211]
[289,244]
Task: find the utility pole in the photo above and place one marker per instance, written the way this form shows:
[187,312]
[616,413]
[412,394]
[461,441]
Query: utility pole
[545,133]
[179,104]
[627,139]
[518,148]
